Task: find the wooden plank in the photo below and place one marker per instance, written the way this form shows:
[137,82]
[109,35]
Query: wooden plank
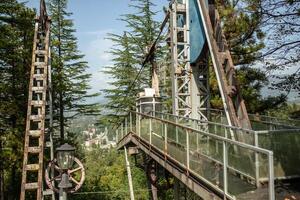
[37,103]
[40,64]
[32,167]
[35,133]
[34,150]
[36,117]
[31,186]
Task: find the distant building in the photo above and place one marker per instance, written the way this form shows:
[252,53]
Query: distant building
[93,140]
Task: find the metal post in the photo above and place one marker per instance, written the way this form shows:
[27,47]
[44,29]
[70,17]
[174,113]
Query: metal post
[126,131]
[271,177]
[62,194]
[225,163]
[129,175]
[139,126]
[187,150]
[122,130]
[256,160]
[130,118]
[176,129]
[150,131]
[176,189]
[166,137]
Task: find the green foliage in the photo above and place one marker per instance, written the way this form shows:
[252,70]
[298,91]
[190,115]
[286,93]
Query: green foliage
[286,111]
[129,52]
[16,28]
[106,175]
[241,26]
[70,79]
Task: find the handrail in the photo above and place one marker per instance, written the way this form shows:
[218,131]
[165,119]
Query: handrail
[222,140]
[279,121]
[291,130]
[209,122]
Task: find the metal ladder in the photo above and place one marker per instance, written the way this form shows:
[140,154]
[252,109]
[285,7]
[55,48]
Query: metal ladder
[234,105]
[180,56]
[32,172]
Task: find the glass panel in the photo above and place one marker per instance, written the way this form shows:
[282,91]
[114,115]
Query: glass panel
[243,186]
[285,146]
[157,135]
[145,129]
[176,143]
[203,154]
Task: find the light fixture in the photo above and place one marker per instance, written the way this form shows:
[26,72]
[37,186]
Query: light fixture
[65,156]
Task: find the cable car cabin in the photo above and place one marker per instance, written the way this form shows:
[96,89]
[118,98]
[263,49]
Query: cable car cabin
[148,102]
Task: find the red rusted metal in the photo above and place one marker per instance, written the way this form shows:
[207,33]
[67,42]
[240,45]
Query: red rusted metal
[53,181]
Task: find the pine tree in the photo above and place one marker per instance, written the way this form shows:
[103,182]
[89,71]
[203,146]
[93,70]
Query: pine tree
[242,22]
[122,96]
[129,53]
[16,28]
[70,79]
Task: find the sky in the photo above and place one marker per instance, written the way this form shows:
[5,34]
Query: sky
[93,20]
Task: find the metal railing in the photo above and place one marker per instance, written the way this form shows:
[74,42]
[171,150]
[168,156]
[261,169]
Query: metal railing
[215,159]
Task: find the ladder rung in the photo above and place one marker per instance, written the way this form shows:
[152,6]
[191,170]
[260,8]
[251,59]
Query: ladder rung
[36,117]
[37,103]
[35,133]
[40,64]
[40,52]
[183,94]
[34,149]
[31,186]
[181,8]
[38,89]
[182,43]
[32,167]
[180,29]
[39,76]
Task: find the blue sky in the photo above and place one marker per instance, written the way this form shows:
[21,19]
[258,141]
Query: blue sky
[93,19]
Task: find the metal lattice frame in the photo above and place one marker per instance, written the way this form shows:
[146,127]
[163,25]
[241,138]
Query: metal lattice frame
[180,56]
[190,89]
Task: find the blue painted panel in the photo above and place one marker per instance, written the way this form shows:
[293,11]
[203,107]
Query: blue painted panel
[197,34]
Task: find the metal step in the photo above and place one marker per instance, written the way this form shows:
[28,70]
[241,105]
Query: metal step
[181,8]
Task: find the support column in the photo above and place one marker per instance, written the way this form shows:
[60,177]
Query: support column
[176,189]
[152,178]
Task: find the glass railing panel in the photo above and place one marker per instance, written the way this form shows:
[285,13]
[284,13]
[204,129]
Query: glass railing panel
[285,146]
[176,143]
[243,171]
[157,134]
[145,128]
[202,158]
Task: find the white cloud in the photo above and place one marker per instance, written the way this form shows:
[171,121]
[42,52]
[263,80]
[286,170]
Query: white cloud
[96,50]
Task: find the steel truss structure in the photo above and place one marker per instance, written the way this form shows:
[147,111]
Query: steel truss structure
[190,84]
